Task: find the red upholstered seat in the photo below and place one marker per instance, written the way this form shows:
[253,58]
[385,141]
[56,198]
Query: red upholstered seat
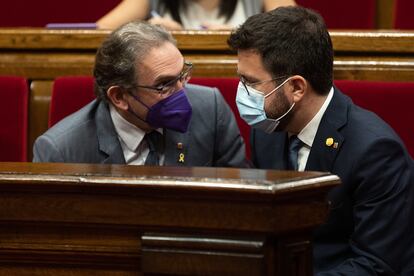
[392,101]
[38,13]
[228,88]
[353,14]
[69,94]
[403,14]
[14,94]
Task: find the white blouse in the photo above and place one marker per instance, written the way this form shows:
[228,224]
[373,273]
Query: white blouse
[195,16]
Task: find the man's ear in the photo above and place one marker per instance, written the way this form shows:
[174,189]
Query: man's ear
[299,87]
[117,97]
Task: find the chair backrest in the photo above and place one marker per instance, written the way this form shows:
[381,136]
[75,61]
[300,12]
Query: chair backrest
[38,13]
[403,14]
[339,14]
[392,101]
[228,88]
[14,94]
[69,94]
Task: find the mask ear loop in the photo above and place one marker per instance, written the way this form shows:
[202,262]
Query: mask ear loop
[138,100]
[280,85]
[290,108]
[132,112]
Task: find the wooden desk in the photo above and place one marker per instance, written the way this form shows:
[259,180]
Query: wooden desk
[42,55]
[82,219]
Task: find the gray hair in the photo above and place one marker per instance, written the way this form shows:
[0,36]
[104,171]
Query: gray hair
[119,54]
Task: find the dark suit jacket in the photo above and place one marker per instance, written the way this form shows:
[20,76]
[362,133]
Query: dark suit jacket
[367,232]
[89,136]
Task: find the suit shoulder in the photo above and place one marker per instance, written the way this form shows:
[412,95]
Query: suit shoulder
[195,90]
[204,96]
[74,124]
[369,123]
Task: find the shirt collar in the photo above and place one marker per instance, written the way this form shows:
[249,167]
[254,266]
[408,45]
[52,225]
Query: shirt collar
[130,134]
[127,132]
[308,133]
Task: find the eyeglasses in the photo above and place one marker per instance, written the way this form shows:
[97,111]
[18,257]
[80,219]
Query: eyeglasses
[247,84]
[170,86]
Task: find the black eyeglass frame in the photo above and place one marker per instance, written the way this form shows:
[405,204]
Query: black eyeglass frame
[162,89]
[253,84]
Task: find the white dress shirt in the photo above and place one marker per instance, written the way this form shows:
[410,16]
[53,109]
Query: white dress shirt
[194,16]
[134,146]
[308,133]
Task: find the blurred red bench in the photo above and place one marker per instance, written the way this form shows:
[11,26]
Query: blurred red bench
[390,100]
[14,94]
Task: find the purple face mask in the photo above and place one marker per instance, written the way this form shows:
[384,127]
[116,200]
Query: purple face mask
[173,112]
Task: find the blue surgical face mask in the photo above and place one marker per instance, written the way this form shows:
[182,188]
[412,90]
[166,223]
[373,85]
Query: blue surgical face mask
[251,108]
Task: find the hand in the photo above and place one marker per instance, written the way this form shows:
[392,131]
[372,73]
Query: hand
[169,24]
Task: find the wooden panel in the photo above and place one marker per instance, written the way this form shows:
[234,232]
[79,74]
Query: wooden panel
[40,92]
[75,219]
[385,14]
[202,254]
[45,54]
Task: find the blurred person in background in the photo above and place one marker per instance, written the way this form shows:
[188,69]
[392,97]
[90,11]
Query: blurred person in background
[188,14]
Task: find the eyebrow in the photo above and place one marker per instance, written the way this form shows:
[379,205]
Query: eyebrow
[248,78]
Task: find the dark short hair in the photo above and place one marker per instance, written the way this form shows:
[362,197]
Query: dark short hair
[117,58]
[291,41]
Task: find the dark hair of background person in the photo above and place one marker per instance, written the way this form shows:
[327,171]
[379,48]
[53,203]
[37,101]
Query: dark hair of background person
[291,41]
[119,54]
[226,8]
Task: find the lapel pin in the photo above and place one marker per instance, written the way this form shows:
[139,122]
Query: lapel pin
[181,158]
[335,145]
[179,145]
[329,141]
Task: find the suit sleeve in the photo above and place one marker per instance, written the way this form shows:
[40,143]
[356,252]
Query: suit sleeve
[382,212]
[45,150]
[229,145]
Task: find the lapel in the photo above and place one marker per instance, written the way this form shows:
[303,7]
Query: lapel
[269,150]
[328,139]
[280,149]
[107,138]
[177,148]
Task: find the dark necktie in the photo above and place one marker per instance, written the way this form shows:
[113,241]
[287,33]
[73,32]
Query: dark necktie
[294,145]
[154,144]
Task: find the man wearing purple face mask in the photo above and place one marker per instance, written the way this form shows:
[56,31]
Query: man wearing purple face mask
[145,112]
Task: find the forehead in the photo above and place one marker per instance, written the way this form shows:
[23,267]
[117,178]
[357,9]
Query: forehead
[250,63]
[164,59]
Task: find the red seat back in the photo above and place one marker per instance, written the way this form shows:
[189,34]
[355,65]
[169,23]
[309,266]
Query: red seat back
[403,18]
[38,13]
[228,88]
[339,14]
[14,119]
[392,101]
[69,94]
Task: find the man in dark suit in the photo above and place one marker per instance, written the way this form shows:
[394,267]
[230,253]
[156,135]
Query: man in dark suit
[145,113]
[302,122]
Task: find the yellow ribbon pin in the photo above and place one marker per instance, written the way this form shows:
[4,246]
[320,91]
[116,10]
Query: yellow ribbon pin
[329,141]
[181,158]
